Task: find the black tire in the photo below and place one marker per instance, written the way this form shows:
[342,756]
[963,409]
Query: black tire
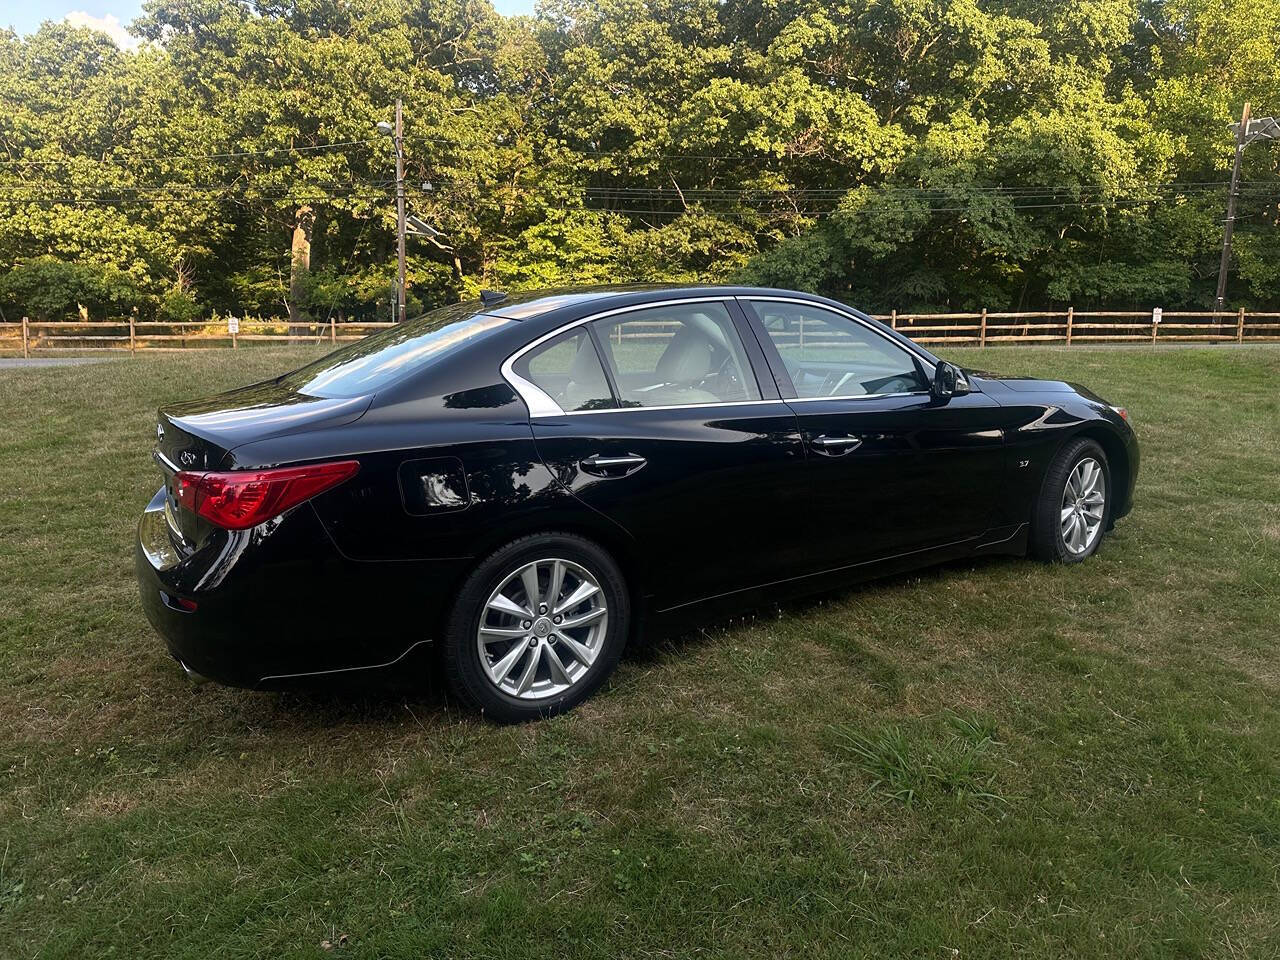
[1047,541]
[467,676]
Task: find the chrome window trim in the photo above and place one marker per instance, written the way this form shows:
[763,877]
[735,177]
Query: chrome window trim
[674,406]
[535,398]
[540,403]
[860,396]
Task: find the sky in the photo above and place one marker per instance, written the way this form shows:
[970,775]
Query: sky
[111,16]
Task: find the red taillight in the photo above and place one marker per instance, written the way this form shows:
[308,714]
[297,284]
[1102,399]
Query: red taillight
[240,499]
[185,487]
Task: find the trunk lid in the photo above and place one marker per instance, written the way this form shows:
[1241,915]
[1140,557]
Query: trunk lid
[197,435]
[259,412]
[176,450]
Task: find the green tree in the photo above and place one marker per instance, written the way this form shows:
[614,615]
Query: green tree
[901,153]
[54,289]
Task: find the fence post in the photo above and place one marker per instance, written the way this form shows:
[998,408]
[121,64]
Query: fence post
[1071,316]
[893,320]
[333,330]
[26,336]
[982,330]
[1240,326]
[235,330]
[133,335]
[1155,325]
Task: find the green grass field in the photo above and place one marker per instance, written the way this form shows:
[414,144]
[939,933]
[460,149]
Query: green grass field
[990,759]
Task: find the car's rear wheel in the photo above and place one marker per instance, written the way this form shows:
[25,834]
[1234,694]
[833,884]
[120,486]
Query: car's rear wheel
[1075,501]
[537,627]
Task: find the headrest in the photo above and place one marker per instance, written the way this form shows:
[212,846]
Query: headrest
[586,365]
[687,358]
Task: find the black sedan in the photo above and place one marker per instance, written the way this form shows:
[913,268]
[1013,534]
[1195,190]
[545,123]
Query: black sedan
[528,483]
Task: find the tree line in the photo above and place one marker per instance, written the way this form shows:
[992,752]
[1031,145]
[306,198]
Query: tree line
[908,154]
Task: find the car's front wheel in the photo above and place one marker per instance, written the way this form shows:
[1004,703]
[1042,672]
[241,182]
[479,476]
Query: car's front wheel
[537,627]
[1075,502]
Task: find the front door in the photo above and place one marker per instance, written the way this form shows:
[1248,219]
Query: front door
[666,430]
[890,471]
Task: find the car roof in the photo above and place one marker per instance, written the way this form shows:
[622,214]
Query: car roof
[534,303]
[530,304]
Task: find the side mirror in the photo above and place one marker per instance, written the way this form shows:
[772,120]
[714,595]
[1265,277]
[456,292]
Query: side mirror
[948,382]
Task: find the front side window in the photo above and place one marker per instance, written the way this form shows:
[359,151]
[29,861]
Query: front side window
[568,370]
[676,355]
[830,355]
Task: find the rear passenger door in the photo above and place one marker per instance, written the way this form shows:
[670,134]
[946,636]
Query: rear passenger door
[658,420]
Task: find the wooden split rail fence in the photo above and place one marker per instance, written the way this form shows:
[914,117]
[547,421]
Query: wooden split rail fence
[134,335]
[1072,326]
[981,329]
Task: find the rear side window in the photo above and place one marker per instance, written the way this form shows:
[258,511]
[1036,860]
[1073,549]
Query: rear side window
[568,370]
[677,355]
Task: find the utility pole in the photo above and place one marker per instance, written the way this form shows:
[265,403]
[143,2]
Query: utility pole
[405,224]
[1229,227]
[399,143]
[396,133]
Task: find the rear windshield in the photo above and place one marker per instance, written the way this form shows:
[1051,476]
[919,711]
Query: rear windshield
[377,361]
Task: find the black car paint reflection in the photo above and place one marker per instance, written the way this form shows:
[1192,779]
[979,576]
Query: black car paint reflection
[733,501]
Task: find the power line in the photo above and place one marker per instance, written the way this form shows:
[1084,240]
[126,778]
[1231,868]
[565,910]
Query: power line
[811,212]
[190,189]
[228,155]
[762,157]
[194,156]
[764,194]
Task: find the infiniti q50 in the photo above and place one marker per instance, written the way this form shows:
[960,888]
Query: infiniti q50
[520,486]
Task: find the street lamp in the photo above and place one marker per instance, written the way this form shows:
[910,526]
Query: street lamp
[396,134]
[418,227]
[1247,132]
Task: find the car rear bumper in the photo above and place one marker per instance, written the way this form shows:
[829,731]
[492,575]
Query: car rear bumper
[269,607]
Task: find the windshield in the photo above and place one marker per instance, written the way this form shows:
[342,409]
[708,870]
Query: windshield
[377,361]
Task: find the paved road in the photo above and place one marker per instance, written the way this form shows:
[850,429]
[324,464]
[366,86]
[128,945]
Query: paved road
[11,363]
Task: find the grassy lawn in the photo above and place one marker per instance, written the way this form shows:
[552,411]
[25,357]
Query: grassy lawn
[990,759]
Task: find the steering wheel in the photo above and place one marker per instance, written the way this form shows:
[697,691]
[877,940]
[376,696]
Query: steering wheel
[725,370]
[832,383]
[901,383]
[843,380]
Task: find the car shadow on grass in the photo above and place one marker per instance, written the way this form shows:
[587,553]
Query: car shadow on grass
[417,687]
[662,644]
[369,698]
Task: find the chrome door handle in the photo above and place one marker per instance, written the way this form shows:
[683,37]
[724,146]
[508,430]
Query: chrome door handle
[619,466]
[835,446]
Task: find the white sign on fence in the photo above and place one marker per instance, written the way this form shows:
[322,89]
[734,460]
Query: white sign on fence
[1156,314]
[233,325]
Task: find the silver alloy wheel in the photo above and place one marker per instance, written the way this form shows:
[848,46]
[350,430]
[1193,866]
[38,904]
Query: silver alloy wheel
[542,628]
[1084,504]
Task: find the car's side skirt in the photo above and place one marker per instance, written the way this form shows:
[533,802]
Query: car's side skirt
[999,540]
